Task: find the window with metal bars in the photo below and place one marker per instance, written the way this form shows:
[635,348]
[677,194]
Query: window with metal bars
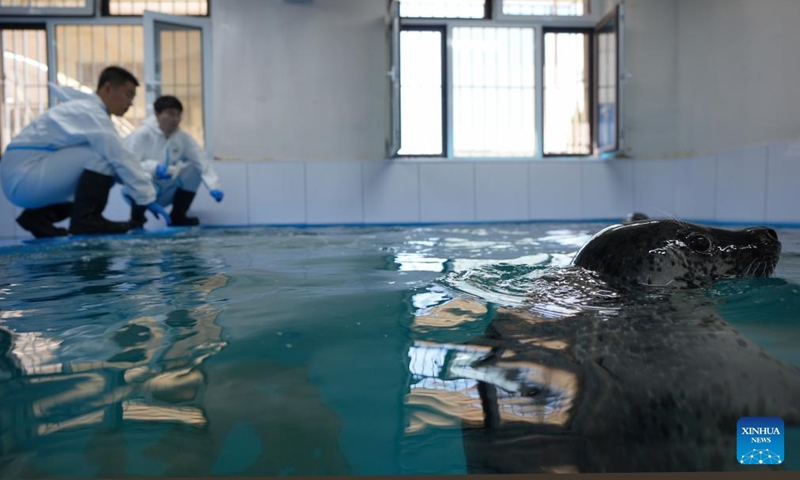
[422,92]
[47,7]
[445,8]
[567,92]
[107,7]
[606,85]
[561,8]
[482,9]
[498,89]
[172,7]
[43,3]
[72,52]
[493,89]
[82,51]
[23,68]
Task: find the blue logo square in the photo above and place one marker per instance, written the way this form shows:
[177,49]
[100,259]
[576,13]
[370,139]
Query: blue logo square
[759,441]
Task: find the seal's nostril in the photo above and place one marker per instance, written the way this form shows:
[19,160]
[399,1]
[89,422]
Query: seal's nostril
[765,233]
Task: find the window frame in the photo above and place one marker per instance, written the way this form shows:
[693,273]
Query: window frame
[588,22]
[445,89]
[149,82]
[489,9]
[618,15]
[88,10]
[537,74]
[105,11]
[590,77]
[499,15]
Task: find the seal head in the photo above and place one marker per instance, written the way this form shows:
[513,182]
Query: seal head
[669,252]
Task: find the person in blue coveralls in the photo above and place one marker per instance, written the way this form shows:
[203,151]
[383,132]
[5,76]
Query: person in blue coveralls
[64,163]
[174,160]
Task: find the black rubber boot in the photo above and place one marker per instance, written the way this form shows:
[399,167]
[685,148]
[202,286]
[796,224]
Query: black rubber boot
[180,205]
[137,216]
[91,197]
[39,221]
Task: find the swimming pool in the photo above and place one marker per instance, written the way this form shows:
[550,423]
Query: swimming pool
[280,351]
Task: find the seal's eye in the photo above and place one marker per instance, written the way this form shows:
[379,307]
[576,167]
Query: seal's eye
[699,243]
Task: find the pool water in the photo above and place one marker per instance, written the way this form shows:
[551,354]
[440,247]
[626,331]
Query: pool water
[280,351]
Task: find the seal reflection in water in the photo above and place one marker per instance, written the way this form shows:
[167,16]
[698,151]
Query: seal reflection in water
[632,374]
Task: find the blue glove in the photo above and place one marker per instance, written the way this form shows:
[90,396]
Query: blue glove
[161,172]
[217,194]
[157,210]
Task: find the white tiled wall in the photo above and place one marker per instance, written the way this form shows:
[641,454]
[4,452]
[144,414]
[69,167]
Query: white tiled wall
[654,186]
[501,191]
[447,192]
[276,193]
[555,190]
[696,188]
[334,193]
[754,185]
[7,215]
[391,192]
[235,207]
[742,185]
[607,189]
[783,176]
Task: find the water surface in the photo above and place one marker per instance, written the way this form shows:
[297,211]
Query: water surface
[282,351]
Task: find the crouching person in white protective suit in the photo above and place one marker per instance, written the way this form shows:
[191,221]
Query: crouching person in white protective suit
[176,163]
[63,164]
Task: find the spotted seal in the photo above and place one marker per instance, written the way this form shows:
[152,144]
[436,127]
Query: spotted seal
[641,377]
[671,252]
